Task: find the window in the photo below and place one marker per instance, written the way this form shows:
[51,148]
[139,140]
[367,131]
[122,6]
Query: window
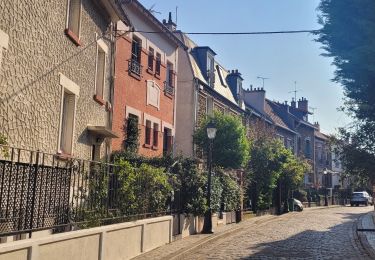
[158,64]
[100,70]
[69,96]
[167,141]
[155,139]
[4,42]
[307,148]
[148,133]
[210,105]
[67,123]
[151,59]
[169,80]
[74,20]
[135,61]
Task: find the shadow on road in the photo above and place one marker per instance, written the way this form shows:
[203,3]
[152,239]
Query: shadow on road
[337,242]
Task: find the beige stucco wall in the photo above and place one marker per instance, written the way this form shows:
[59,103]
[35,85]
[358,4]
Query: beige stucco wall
[30,93]
[185,117]
[120,241]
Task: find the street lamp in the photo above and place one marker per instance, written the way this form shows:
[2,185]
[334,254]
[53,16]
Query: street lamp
[211,134]
[325,172]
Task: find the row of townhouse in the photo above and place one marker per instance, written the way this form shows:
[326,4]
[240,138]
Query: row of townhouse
[73,73]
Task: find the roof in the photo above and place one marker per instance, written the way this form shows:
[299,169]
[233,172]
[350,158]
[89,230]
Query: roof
[220,85]
[320,135]
[274,111]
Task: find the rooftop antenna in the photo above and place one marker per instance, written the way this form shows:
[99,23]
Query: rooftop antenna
[313,112]
[176,13]
[262,78]
[152,10]
[295,91]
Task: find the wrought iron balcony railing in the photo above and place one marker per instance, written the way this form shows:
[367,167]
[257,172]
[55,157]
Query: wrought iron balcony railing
[135,67]
[168,89]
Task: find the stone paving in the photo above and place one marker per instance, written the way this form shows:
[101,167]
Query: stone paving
[312,234]
[316,233]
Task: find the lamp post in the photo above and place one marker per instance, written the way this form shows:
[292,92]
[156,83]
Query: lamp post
[325,187]
[211,134]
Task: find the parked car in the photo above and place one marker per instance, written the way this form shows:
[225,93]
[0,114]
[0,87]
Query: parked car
[361,197]
[297,205]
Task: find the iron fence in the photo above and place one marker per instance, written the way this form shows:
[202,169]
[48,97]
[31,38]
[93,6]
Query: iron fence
[41,191]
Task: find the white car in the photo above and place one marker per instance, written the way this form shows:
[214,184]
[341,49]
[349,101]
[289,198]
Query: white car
[361,197]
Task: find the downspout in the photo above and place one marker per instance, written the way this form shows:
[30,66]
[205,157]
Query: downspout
[112,81]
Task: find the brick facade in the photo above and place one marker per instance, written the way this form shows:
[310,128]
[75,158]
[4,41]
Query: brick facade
[144,95]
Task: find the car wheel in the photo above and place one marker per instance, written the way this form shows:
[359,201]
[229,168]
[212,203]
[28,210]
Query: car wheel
[351,204]
[366,204]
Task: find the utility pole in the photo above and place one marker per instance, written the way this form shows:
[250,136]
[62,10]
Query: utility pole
[262,78]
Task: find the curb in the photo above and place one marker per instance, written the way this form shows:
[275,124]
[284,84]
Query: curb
[200,244]
[363,238]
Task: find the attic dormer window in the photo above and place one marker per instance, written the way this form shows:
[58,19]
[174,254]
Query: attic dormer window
[210,70]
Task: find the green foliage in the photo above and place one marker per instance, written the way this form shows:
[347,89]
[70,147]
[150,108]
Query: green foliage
[230,146]
[190,187]
[300,195]
[131,142]
[348,35]
[216,193]
[231,193]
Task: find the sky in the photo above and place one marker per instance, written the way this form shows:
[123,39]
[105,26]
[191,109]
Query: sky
[284,59]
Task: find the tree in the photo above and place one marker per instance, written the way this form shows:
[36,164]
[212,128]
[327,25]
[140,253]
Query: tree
[230,146]
[348,35]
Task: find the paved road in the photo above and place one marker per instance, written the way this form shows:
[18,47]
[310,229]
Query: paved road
[312,234]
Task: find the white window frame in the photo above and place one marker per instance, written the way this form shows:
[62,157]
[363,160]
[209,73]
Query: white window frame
[100,47]
[79,19]
[67,86]
[153,85]
[4,43]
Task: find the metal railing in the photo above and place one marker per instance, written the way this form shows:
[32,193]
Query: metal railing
[41,191]
[135,67]
[168,88]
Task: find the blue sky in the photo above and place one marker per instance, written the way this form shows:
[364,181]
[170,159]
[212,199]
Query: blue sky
[282,58]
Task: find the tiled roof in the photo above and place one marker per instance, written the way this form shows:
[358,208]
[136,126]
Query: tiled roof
[270,109]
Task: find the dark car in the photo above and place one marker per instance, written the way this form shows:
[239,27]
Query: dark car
[361,197]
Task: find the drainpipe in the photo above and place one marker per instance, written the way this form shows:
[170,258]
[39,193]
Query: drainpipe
[112,81]
[195,89]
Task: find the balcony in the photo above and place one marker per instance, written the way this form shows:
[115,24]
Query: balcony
[135,68]
[168,89]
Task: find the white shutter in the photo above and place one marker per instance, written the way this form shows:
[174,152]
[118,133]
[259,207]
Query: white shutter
[100,72]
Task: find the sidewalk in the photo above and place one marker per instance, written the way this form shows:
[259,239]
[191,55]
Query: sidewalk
[177,249]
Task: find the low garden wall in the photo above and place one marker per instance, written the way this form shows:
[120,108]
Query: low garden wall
[119,241]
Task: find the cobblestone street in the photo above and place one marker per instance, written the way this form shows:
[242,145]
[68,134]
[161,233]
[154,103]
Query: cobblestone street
[312,234]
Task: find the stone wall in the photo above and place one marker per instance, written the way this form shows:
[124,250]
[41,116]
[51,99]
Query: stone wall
[30,93]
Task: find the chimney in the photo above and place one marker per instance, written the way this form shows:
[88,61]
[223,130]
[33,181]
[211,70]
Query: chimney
[170,24]
[234,80]
[293,103]
[317,125]
[256,98]
[303,104]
